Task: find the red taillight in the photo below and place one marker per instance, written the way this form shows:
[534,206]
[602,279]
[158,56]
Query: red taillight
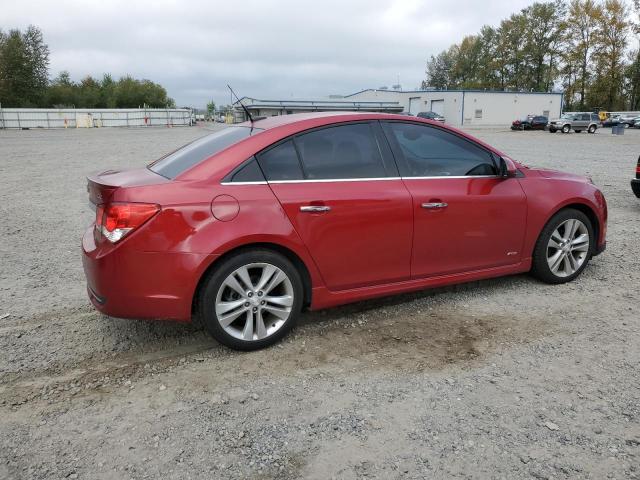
[115,220]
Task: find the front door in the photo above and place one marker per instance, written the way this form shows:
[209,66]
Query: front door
[466,217]
[347,204]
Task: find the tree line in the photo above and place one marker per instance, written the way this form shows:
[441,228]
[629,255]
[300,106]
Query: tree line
[25,82]
[586,48]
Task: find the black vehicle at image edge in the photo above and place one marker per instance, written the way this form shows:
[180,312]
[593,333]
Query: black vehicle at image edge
[635,182]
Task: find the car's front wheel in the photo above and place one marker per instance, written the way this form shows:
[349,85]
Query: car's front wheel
[564,247]
[251,300]
[592,129]
[566,129]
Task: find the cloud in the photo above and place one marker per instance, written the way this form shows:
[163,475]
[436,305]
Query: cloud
[278,49]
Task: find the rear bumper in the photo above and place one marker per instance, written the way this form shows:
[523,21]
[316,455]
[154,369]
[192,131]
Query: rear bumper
[125,283]
[635,186]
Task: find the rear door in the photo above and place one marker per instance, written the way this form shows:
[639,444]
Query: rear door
[466,217]
[341,191]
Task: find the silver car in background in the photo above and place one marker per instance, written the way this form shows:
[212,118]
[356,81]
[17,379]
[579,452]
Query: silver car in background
[576,121]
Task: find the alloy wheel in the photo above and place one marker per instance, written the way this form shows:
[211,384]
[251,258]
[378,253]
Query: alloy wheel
[254,301]
[568,247]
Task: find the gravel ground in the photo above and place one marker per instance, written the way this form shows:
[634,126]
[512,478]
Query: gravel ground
[507,378]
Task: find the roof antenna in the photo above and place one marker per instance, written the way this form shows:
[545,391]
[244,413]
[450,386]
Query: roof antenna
[246,110]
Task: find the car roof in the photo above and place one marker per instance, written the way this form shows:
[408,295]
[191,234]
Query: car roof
[274,129]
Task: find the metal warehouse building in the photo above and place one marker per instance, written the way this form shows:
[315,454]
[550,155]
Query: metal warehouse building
[459,107]
[470,107]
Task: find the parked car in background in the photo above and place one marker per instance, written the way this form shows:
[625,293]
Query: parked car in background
[627,121]
[577,122]
[636,122]
[245,227]
[612,121]
[431,116]
[635,183]
[530,122]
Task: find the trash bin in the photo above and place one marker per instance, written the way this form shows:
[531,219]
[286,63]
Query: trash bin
[617,130]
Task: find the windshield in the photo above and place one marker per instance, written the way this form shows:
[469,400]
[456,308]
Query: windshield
[173,164]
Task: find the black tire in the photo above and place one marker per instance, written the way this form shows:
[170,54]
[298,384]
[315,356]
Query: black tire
[213,282]
[540,268]
[592,129]
[566,129]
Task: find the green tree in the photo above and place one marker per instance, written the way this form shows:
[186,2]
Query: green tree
[582,24]
[24,64]
[211,108]
[544,30]
[439,68]
[612,30]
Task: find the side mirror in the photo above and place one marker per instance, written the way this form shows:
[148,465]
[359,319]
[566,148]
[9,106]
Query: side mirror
[507,168]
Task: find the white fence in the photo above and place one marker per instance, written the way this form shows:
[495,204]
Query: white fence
[93,117]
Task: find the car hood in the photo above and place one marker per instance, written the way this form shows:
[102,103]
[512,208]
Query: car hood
[546,173]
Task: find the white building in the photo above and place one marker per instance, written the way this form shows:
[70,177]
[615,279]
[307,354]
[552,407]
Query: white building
[459,107]
[470,107]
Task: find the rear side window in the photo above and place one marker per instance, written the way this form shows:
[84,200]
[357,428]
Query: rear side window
[173,164]
[427,151]
[281,162]
[345,151]
[249,172]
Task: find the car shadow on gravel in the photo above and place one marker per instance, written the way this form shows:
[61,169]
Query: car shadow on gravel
[412,332]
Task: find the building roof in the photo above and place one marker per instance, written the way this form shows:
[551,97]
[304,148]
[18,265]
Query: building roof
[452,90]
[324,105]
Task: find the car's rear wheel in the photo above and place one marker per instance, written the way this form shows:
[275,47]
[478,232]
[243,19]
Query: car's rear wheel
[592,129]
[566,129]
[251,300]
[564,247]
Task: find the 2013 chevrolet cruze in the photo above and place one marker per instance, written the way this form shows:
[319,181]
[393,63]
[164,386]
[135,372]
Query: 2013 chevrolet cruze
[244,227]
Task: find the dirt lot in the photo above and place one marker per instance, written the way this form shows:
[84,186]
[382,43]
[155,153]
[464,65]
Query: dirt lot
[508,378]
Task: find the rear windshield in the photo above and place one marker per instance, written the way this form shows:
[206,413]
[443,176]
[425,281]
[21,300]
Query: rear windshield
[173,164]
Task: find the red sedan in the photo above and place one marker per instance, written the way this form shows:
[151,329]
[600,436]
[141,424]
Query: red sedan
[245,227]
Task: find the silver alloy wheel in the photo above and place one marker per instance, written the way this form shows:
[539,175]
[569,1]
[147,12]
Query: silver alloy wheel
[568,248]
[254,301]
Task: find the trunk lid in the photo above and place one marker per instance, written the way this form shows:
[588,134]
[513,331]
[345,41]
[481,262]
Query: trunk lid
[102,185]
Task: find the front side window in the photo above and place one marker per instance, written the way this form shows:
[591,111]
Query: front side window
[427,151]
[173,164]
[341,152]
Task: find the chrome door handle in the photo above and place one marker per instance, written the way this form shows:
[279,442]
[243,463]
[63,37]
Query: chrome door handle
[315,208]
[435,205]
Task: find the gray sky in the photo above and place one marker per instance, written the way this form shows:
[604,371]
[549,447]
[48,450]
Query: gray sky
[265,49]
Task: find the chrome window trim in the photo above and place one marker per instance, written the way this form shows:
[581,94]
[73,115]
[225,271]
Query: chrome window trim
[261,182]
[374,179]
[326,180]
[451,176]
